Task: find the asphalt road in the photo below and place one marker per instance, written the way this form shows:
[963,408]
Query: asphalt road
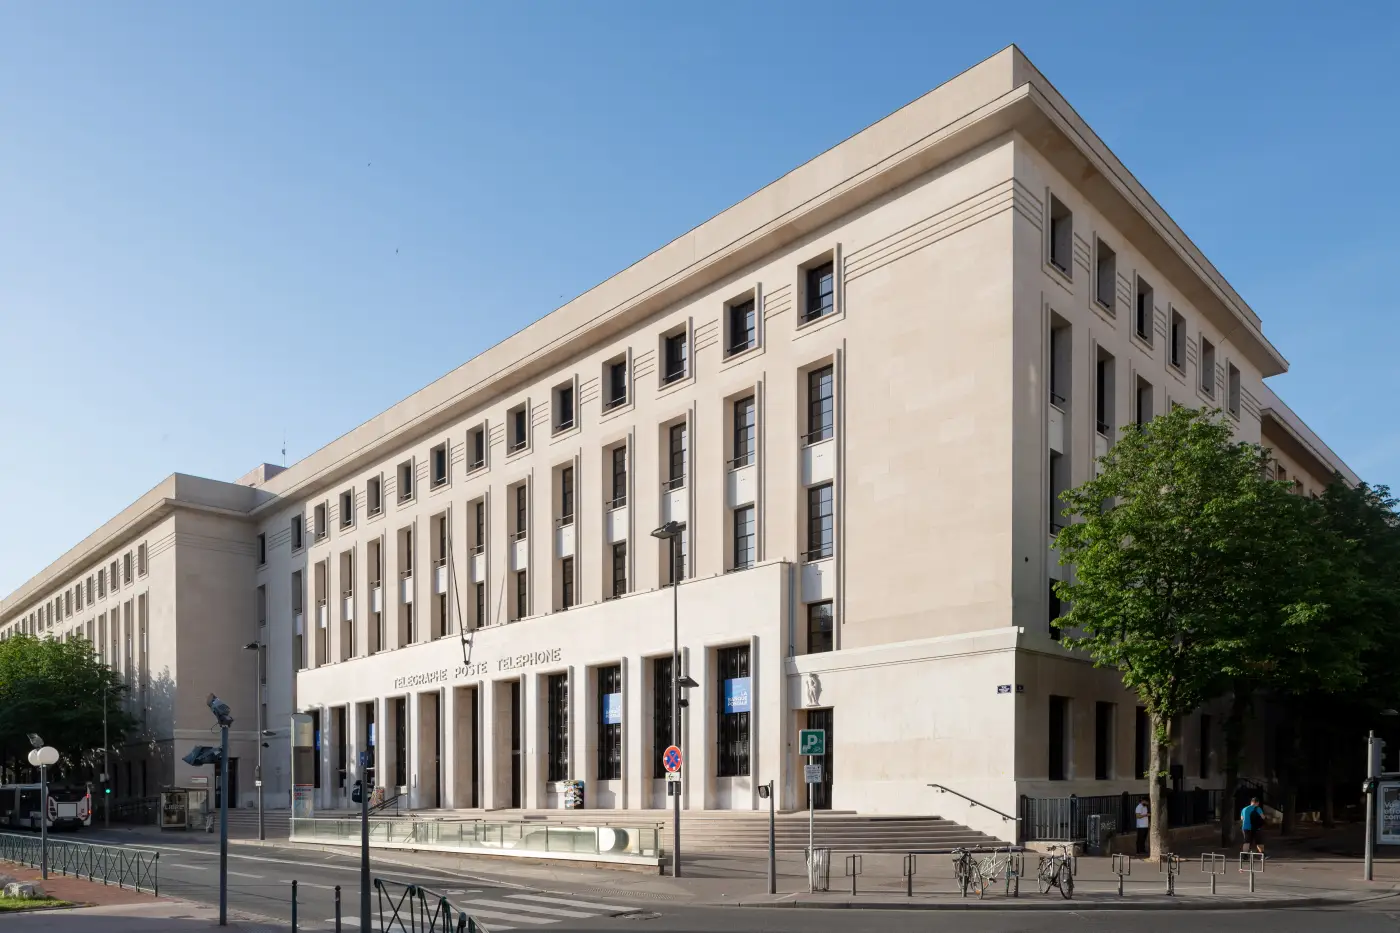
[260,883]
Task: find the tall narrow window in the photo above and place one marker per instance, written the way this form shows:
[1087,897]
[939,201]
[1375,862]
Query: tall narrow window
[140,566]
[677,557]
[566,496]
[1142,321]
[519,429]
[1058,736]
[1143,402]
[126,558]
[745,431]
[1103,741]
[619,569]
[557,700]
[1106,277]
[610,723]
[566,583]
[662,718]
[564,407]
[745,547]
[262,549]
[374,495]
[439,464]
[1054,597]
[742,326]
[819,627]
[820,292]
[617,384]
[676,459]
[405,480]
[1103,394]
[477,440]
[481,618]
[821,527]
[821,404]
[1061,235]
[347,508]
[1207,367]
[522,594]
[619,477]
[522,511]
[1177,353]
[298,524]
[1232,389]
[734,706]
[479,525]
[675,358]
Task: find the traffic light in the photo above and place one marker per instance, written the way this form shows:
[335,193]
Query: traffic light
[357,793]
[106,790]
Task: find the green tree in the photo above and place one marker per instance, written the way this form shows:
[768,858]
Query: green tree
[56,689]
[1162,546]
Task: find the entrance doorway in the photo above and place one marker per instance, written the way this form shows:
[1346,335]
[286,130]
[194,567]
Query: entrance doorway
[516,784]
[821,793]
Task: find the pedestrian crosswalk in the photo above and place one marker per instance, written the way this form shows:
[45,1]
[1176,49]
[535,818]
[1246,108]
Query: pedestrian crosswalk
[527,911]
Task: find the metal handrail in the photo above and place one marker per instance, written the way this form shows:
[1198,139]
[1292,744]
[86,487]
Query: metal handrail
[976,803]
[416,909]
[124,866]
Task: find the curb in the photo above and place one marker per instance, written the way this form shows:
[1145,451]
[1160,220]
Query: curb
[1276,903]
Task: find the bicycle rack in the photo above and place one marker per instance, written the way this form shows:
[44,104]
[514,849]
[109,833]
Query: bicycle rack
[1252,863]
[853,868]
[1122,866]
[1015,867]
[1213,864]
[1173,863]
[910,863]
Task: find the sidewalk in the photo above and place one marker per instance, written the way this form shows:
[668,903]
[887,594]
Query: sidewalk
[154,916]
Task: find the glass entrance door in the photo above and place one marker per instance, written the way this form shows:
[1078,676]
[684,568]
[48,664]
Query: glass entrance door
[821,793]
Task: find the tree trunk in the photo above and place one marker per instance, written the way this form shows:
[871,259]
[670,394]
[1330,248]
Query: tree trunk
[1234,749]
[1158,824]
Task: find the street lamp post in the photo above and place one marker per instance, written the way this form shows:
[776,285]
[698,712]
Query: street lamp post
[106,767]
[224,716]
[41,757]
[257,773]
[671,531]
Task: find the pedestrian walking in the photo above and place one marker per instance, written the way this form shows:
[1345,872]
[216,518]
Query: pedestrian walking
[1144,823]
[1252,823]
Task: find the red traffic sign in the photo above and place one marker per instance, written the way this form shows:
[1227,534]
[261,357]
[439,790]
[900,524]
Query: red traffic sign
[671,758]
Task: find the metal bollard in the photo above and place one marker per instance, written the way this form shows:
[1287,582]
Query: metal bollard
[337,909]
[1122,866]
[1252,863]
[294,905]
[1214,864]
[853,868]
[1173,864]
[909,865]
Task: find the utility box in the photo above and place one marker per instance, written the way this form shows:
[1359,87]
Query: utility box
[184,808]
[1100,830]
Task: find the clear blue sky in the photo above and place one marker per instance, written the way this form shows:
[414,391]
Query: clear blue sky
[220,224]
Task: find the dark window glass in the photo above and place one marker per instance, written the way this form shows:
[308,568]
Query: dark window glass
[820,522]
[821,405]
[617,383]
[744,538]
[745,431]
[824,719]
[481,604]
[1144,311]
[557,688]
[522,593]
[518,428]
[566,582]
[619,476]
[1102,377]
[820,291]
[566,496]
[610,723]
[374,499]
[522,518]
[676,474]
[1059,720]
[733,665]
[619,569]
[478,447]
[742,334]
[479,513]
[675,357]
[566,408]
[819,627]
[439,465]
[262,558]
[678,556]
[661,719]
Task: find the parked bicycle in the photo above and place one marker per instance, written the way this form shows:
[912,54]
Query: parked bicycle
[1002,865]
[968,873]
[1056,870]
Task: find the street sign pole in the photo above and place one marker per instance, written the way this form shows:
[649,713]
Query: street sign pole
[364,840]
[811,832]
[1371,772]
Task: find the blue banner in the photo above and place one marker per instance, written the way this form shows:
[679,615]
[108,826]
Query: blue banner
[612,708]
[736,695]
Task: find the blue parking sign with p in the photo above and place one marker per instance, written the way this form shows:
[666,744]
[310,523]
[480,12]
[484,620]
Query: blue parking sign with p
[811,742]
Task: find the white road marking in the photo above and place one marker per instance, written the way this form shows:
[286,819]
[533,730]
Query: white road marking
[347,921]
[568,902]
[243,874]
[512,918]
[188,867]
[533,908]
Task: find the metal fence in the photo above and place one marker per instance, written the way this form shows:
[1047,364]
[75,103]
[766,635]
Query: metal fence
[124,866]
[412,908]
[611,841]
[1067,818]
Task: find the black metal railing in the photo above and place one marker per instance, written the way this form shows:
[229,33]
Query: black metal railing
[412,908]
[124,866]
[1063,819]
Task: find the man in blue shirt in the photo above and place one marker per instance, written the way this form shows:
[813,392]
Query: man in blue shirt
[1252,822]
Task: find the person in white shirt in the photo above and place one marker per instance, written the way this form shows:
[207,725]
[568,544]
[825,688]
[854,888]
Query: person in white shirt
[1144,822]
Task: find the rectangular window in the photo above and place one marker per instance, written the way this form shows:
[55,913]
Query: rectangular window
[347,508]
[1177,355]
[405,480]
[1142,321]
[481,618]
[140,563]
[374,495]
[821,528]
[319,521]
[479,526]
[1203,748]
[477,441]
[1103,741]
[745,432]
[438,459]
[566,583]
[619,477]
[1060,362]
[821,404]
[662,718]
[1142,734]
[676,459]
[677,558]
[619,569]
[820,292]
[522,511]
[89,579]
[1054,597]
[78,596]
[610,723]
[522,594]
[675,358]
[1058,736]
[564,407]
[743,334]
[102,583]
[1207,367]
[1142,403]
[1232,389]
[734,705]
[745,547]
[557,702]
[617,384]
[262,549]
[1106,277]
[297,530]
[819,627]
[519,429]
[566,496]
[126,558]
[1061,235]
[1103,394]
